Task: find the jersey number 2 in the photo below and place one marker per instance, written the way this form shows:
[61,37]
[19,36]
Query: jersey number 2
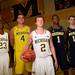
[43,48]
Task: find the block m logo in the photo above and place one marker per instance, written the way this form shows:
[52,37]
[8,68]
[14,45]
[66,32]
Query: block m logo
[24,10]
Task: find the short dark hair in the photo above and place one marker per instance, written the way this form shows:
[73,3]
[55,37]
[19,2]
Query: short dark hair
[39,16]
[71,16]
[55,16]
[20,14]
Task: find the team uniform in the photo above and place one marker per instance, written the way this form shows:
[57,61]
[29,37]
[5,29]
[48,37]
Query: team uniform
[59,44]
[71,46]
[20,40]
[4,56]
[43,64]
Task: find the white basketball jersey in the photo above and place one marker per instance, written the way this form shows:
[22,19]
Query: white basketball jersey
[4,43]
[41,43]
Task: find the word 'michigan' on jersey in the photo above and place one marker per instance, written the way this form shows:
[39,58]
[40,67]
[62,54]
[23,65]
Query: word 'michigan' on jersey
[20,37]
[58,37]
[71,37]
[41,43]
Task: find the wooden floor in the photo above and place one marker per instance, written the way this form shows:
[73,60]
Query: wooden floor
[59,72]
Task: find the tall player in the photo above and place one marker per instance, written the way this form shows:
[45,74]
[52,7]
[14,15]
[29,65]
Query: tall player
[43,47]
[58,34]
[4,48]
[18,38]
[71,41]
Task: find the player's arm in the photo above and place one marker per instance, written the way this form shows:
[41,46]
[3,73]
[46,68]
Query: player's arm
[29,42]
[11,36]
[11,54]
[53,52]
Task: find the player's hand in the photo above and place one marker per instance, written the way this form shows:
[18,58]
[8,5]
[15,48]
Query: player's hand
[24,59]
[11,65]
[56,64]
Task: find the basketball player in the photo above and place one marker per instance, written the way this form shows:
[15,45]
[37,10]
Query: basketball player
[43,48]
[4,48]
[18,38]
[71,41]
[58,36]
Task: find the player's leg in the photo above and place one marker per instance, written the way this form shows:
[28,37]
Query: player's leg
[19,64]
[28,67]
[6,64]
[49,66]
[65,65]
[38,67]
[66,72]
[73,66]
[73,71]
[65,68]
[73,63]
[11,71]
[11,56]
[62,60]
[1,64]
[26,73]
